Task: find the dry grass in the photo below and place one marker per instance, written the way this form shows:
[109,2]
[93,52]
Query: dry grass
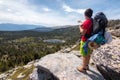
[24,71]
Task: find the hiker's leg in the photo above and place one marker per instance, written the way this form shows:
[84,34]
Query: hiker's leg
[86,60]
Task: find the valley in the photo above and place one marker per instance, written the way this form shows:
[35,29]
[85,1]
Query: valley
[17,48]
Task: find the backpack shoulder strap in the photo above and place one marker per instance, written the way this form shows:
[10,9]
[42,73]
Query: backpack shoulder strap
[89,35]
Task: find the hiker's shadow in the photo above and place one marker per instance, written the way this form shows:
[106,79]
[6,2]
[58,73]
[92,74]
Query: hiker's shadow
[94,75]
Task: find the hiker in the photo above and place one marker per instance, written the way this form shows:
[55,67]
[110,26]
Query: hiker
[93,36]
[85,30]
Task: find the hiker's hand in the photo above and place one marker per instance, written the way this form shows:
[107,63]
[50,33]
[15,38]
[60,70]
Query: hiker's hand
[80,22]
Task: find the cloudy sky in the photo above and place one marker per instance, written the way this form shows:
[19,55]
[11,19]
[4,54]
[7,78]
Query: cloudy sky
[54,12]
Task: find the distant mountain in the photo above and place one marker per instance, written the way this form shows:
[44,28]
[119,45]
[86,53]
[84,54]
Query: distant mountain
[54,28]
[65,26]
[18,27]
[21,27]
[43,29]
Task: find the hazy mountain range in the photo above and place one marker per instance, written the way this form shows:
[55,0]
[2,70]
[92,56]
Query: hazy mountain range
[18,27]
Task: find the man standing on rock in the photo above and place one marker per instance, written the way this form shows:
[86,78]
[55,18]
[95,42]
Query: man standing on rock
[85,30]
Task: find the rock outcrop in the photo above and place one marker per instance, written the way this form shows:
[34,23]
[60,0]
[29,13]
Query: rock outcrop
[62,66]
[107,59]
[116,32]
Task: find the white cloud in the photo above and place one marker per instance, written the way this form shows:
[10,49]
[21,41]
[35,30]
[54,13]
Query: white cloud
[69,9]
[46,9]
[20,12]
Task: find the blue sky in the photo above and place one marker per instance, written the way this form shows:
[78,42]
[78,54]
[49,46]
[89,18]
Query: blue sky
[54,12]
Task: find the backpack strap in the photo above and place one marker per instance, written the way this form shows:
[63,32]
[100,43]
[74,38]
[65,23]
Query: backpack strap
[89,35]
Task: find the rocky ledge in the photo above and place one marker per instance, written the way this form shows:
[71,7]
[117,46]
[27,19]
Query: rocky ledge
[107,60]
[62,66]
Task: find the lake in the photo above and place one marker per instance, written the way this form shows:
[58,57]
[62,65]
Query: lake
[54,41]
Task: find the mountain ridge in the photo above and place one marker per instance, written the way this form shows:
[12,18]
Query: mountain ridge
[22,27]
[18,27]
